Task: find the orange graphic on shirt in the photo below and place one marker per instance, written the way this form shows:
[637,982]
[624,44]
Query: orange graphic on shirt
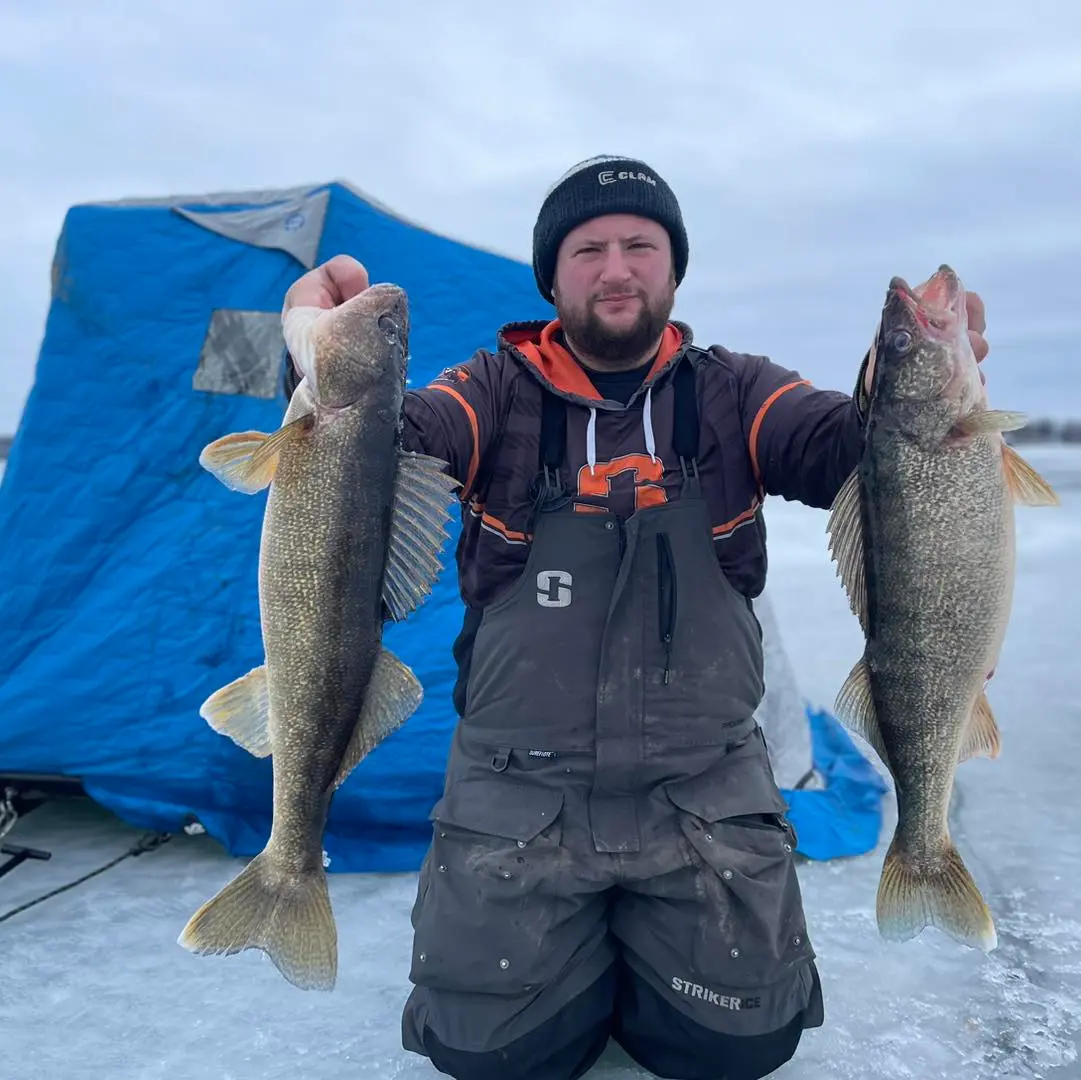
[597,482]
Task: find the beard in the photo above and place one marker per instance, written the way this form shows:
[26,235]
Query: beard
[585,328]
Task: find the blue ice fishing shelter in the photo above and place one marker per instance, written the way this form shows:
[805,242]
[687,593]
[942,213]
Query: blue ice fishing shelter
[128,589]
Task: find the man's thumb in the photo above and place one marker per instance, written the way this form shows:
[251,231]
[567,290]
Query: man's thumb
[347,276]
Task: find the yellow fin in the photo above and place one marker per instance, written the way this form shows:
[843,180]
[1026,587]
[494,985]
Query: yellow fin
[247,460]
[394,694]
[989,421]
[845,529]
[855,707]
[1026,485]
[982,737]
[286,915]
[933,891]
[241,710]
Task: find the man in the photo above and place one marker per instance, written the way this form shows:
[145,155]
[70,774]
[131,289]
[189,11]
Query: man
[610,857]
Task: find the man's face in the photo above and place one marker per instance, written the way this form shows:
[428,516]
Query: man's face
[615,286]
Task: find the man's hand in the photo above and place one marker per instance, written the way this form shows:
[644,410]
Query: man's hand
[977,324]
[337,280]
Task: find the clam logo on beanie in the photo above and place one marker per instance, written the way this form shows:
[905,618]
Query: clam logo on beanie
[607,176]
[593,188]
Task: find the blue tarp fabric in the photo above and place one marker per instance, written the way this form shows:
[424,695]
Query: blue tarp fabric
[128,586]
[844,817]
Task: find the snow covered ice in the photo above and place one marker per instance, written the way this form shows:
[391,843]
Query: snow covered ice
[93,983]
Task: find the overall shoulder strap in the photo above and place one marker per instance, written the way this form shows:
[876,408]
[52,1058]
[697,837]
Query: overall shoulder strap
[553,443]
[685,417]
[553,435]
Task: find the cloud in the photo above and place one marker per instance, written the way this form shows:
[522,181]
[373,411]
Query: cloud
[814,155]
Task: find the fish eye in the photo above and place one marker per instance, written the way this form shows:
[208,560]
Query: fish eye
[901,341]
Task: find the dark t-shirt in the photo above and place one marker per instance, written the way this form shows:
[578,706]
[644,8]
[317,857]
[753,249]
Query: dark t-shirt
[618,385]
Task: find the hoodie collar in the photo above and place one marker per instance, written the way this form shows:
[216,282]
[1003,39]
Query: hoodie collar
[535,344]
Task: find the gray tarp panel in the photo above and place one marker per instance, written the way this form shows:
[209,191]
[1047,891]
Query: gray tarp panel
[294,225]
[241,354]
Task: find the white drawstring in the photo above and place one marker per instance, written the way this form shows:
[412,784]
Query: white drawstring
[647,423]
[591,441]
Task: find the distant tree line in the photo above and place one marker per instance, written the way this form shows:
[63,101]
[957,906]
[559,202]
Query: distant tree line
[1044,431]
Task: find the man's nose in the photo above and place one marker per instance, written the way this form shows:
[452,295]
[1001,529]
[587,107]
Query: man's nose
[616,265]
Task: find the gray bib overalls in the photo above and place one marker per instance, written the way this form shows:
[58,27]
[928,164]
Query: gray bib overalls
[608,790]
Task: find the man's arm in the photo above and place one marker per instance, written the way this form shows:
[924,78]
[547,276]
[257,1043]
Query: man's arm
[456,416]
[804,442]
[453,418]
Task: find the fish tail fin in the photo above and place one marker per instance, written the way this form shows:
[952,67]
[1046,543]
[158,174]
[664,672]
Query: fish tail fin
[287,915]
[914,894]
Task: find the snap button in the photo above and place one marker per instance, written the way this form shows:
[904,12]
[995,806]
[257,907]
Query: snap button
[727,875]
[735,954]
[423,957]
[442,868]
[797,940]
[709,836]
[504,964]
[521,843]
[788,847]
[609,526]
[506,874]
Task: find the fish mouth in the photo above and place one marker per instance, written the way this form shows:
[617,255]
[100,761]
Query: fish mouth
[937,305]
[393,330]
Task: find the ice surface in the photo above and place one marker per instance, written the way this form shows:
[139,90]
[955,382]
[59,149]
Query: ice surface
[93,984]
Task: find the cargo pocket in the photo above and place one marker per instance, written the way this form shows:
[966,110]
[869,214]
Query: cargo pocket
[495,890]
[751,930]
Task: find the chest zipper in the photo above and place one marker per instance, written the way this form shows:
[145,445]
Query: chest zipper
[666,589]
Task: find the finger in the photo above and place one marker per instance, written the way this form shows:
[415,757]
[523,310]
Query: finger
[979,345]
[977,317]
[337,280]
[347,277]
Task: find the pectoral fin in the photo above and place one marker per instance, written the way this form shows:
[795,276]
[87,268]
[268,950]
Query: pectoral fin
[855,707]
[989,421]
[247,460]
[241,710]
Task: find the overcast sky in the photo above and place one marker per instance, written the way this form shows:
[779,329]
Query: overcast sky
[816,149]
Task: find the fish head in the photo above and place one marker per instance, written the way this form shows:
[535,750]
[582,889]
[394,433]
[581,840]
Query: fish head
[360,344]
[926,373]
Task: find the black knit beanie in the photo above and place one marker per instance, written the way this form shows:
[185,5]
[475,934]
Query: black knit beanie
[603,185]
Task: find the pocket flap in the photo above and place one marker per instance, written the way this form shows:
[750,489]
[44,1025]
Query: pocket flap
[503,807]
[738,784]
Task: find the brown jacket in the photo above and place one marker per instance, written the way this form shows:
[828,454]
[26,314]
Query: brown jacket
[764,430]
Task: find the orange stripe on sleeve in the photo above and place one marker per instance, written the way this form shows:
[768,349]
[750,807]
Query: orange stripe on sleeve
[740,519]
[474,460]
[757,425]
[477,509]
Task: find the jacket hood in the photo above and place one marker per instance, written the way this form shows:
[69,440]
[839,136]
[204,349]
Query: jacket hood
[535,344]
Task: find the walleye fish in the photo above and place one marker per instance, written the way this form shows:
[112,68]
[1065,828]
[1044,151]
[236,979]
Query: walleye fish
[351,536]
[923,536]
